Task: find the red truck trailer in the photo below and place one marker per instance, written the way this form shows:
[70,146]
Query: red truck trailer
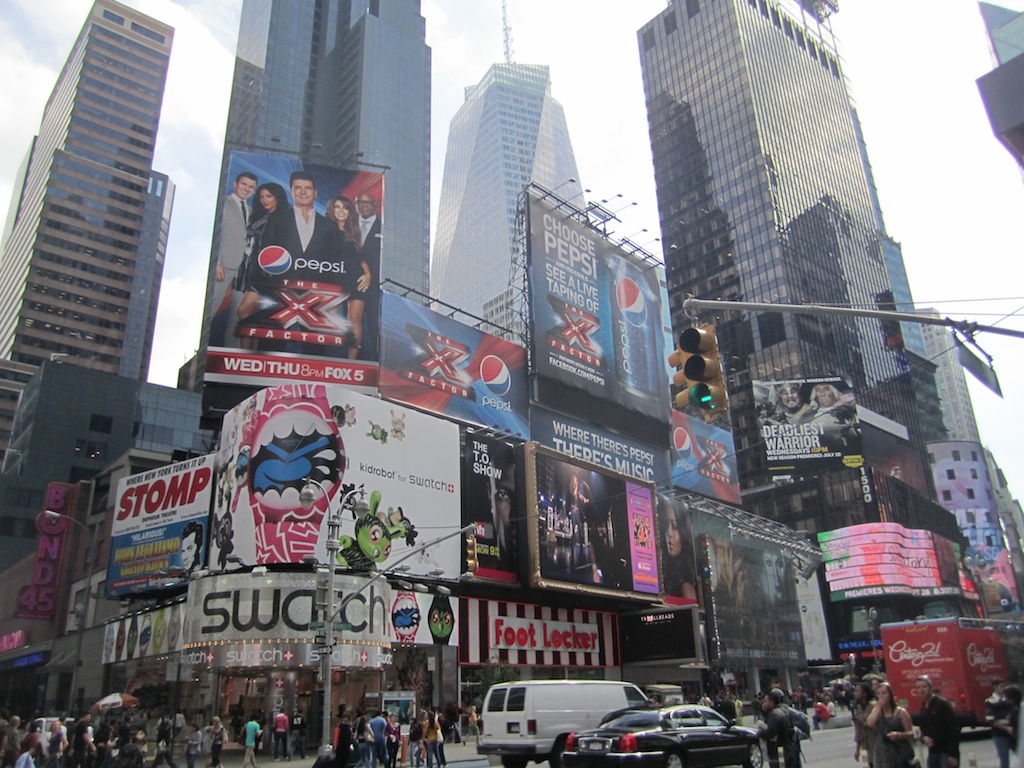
[961,657]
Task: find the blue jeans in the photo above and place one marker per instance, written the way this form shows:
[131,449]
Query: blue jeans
[366,755]
[433,758]
[1003,741]
[938,760]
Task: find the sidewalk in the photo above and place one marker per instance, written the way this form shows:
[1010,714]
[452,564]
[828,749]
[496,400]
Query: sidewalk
[462,755]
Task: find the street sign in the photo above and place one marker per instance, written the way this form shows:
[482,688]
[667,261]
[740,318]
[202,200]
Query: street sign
[316,625]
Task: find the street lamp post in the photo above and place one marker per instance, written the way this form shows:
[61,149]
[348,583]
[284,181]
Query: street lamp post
[307,497]
[872,626]
[91,560]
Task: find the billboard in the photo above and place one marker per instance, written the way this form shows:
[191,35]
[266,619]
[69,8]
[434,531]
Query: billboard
[402,463]
[597,445]
[808,425]
[294,288]
[38,600]
[661,635]
[675,545]
[589,530]
[150,633]
[159,533]
[491,504]
[703,459]
[751,593]
[876,559]
[438,364]
[596,312]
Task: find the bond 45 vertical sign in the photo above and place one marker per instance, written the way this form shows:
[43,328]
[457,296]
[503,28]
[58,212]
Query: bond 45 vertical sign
[596,313]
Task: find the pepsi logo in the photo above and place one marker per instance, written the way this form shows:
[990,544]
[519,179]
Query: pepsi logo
[274,260]
[495,376]
[681,441]
[631,301]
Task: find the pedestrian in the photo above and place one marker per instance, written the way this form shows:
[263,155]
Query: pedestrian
[378,725]
[473,724]
[997,714]
[216,734]
[416,742]
[343,742]
[895,732]
[364,741]
[297,741]
[164,741]
[193,745]
[55,746]
[940,731]
[251,739]
[281,725]
[863,735]
[442,727]
[431,737]
[81,751]
[393,737]
[776,730]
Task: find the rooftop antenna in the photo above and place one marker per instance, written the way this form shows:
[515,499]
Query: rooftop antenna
[506,29]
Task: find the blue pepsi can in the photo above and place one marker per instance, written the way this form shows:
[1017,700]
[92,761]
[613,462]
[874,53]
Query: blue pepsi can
[635,315]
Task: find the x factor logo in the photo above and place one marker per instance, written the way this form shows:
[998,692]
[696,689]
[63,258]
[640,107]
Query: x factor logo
[315,309]
[441,361]
[575,334]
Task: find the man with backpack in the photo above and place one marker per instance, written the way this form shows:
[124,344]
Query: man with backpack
[779,731]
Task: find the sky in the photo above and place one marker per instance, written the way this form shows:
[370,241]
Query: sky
[950,193]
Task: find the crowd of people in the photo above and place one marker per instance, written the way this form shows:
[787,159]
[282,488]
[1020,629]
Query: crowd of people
[376,740]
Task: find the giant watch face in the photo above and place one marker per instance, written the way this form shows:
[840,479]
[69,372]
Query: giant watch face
[441,619]
[294,438]
[405,616]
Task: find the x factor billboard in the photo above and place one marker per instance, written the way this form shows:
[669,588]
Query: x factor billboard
[703,459]
[438,364]
[596,313]
[294,287]
[403,465]
[589,530]
[159,533]
[808,425]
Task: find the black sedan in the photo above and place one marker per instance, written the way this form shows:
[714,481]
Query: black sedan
[673,737]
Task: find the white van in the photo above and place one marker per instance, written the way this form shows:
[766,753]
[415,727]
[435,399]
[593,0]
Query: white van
[529,720]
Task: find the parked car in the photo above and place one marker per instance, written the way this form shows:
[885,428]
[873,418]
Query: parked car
[671,737]
[530,719]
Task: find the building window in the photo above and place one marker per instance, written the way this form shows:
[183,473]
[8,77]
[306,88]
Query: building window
[974,474]
[671,25]
[969,517]
[100,423]
[692,8]
[974,455]
[772,328]
[90,449]
[956,455]
[648,38]
[148,33]
[970,493]
[110,16]
[951,474]
[947,495]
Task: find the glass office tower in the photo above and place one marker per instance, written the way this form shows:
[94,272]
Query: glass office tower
[84,243]
[509,132]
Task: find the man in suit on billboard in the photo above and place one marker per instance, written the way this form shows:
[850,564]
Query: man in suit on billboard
[230,251]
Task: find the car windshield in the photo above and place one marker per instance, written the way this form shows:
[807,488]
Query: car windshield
[635,720]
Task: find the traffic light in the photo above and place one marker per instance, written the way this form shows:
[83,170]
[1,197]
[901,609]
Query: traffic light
[323,589]
[471,562]
[699,375]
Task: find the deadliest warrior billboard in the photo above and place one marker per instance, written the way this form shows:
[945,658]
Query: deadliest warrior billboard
[596,312]
[159,532]
[437,364]
[589,530]
[808,425]
[294,288]
[404,466]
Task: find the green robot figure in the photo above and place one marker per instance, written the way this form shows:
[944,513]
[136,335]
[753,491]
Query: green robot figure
[373,536]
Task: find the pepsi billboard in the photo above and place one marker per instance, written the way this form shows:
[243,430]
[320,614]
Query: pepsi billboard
[440,365]
[703,459]
[294,286]
[596,313]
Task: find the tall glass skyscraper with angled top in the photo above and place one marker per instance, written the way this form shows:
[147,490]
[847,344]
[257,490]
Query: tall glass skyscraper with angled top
[508,132]
[84,244]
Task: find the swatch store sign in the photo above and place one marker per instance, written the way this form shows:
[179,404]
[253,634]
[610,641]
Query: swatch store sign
[238,621]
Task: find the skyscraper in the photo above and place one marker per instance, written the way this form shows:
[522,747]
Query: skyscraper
[509,132]
[953,395]
[83,248]
[1001,89]
[344,83]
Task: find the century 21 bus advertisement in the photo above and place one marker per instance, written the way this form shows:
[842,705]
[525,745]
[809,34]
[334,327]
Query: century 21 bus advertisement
[294,288]
[596,312]
[589,530]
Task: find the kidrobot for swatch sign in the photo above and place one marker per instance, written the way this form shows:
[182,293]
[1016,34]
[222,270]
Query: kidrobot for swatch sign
[403,464]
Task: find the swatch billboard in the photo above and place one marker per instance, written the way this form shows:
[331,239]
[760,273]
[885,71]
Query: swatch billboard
[596,314]
[159,533]
[438,364]
[403,464]
[808,425]
[589,530]
[294,289]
